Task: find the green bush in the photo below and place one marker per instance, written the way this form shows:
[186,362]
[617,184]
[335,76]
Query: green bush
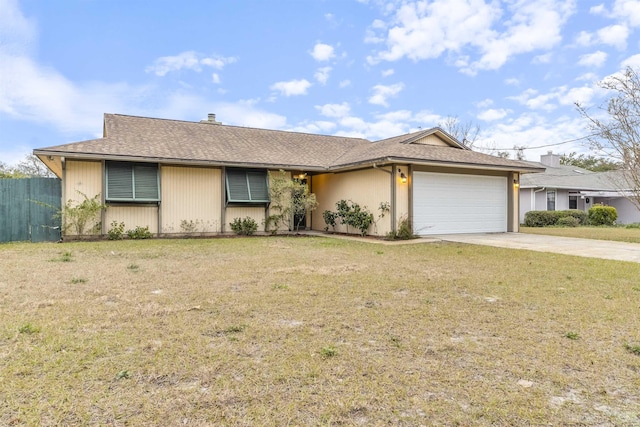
[540,218]
[246,226]
[350,214]
[139,233]
[116,231]
[550,218]
[568,221]
[602,215]
[402,232]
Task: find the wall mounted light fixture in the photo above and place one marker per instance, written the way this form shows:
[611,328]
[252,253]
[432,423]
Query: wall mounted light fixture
[403,177]
[516,184]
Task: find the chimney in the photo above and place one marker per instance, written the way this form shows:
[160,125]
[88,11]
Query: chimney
[211,119]
[550,159]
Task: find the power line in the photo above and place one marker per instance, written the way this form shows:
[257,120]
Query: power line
[542,146]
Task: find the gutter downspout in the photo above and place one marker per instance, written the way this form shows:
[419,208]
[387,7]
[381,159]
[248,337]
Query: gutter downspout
[533,197]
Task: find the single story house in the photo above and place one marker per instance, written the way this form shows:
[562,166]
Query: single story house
[164,173]
[562,187]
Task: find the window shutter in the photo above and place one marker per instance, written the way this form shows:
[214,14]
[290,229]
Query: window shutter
[258,186]
[237,186]
[119,180]
[146,181]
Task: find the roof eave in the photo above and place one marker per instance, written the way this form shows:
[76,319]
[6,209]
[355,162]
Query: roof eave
[381,161]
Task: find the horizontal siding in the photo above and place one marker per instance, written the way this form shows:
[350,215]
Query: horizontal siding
[190,197]
[133,216]
[368,187]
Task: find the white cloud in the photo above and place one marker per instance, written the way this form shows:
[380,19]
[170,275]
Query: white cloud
[382,92]
[322,52]
[387,73]
[188,60]
[493,114]
[561,95]
[16,31]
[485,103]
[292,87]
[322,75]
[595,59]
[614,35]
[215,78]
[344,83]
[627,11]
[632,61]
[588,77]
[421,30]
[334,110]
[584,38]
[542,59]
[512,81]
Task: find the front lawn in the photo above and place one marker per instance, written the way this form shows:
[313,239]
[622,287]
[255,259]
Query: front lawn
[315,331]
[619,234]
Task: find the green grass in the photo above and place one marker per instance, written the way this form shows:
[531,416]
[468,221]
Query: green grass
[315,331]
[619,234]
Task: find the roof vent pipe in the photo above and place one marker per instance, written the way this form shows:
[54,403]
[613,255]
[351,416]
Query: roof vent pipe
[211,119]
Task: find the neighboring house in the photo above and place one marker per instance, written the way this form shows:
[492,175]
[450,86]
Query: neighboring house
[165,173]
[563,187]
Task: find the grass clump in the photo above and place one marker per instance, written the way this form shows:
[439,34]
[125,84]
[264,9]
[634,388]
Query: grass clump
[572,335]
[328,352]
[28,329]
[633,349]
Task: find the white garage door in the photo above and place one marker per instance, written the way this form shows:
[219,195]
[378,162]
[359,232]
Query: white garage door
[446,203]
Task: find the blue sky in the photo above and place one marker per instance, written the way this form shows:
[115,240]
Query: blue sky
[370,69]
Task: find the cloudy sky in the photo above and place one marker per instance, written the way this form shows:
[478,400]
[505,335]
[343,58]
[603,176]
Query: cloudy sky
[372,69]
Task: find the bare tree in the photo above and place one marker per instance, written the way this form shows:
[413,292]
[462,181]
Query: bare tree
[31,166]
[466,132]
[616,133]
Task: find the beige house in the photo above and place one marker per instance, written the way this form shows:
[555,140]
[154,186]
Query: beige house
[172,175]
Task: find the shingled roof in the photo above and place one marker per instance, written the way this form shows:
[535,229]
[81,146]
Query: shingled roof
[209,143]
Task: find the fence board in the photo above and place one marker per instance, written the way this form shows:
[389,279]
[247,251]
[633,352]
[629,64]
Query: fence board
[27,207]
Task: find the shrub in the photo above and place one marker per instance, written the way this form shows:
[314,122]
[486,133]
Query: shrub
[350,214]
[402,232]
[330,219]
[602,215]
[116,231]
[568,221]
[246,226]
[139,233]
[539,218]
[549,218]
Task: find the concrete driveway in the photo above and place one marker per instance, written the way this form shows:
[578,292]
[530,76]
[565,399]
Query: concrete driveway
[604,249]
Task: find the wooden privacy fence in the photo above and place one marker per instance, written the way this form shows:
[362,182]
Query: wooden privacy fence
[27,209]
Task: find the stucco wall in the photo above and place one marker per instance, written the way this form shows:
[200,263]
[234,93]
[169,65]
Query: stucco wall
[628,213]
[190,196]
[368,187]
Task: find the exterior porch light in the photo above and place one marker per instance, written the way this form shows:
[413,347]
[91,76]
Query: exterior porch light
[403,177]
[516,184]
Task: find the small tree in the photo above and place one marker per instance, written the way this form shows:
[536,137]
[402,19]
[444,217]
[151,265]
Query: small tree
[616,133]
[466,132]
[289,198]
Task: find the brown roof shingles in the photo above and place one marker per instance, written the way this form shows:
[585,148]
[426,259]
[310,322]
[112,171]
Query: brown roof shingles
[165,140]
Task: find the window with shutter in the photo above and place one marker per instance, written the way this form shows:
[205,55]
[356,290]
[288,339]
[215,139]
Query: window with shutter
[132,182]
[247,186]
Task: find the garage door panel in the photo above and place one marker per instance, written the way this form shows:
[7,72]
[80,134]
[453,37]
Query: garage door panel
[453,203]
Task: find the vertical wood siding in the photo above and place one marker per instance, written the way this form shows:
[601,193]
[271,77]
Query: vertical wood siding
[193,195]
[368,187]
[255,212]
[81,177]
[133,216]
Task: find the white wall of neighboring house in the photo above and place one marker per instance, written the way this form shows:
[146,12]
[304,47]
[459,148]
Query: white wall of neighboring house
[628,213]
